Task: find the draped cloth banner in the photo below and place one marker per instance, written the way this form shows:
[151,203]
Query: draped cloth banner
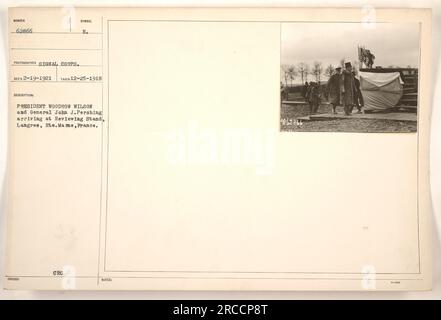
[381,91]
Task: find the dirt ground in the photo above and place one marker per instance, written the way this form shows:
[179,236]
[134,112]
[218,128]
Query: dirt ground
[290,113]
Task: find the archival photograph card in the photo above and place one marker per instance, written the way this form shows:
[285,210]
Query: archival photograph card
[218,149]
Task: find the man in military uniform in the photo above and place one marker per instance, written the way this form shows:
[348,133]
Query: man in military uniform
[313,97]
[333,89]
[305,90]
[347,89]
[283,92]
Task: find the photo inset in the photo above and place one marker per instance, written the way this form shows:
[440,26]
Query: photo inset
[349,77]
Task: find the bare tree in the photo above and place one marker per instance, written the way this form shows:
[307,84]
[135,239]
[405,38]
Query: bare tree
[329,71]
[303,70]
[292,73]
[285,74]
[289,73]
[307,72]
[317,71]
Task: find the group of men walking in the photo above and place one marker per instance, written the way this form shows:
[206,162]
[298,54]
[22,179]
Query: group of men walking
[343,88]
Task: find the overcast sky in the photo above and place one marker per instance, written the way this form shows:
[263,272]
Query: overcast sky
[392,43]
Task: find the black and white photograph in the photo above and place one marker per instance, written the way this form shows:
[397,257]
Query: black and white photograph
[349,77]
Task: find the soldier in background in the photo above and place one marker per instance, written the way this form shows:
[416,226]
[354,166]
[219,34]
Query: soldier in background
[370,59]
[333,89]
[313,96]
[305,90]
[347,89]
[283,91]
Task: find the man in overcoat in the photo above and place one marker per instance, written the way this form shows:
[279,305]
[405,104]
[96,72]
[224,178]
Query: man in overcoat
[305,90]
[333,89]
[313,97]
[347,89]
